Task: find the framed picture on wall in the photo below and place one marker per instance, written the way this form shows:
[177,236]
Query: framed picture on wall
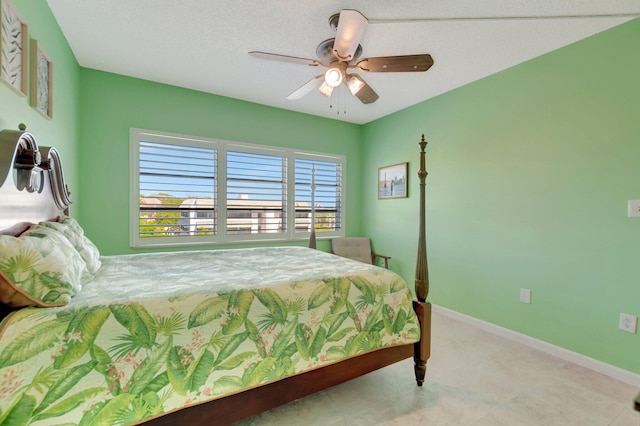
[41,90]
[392,181]
[13,48]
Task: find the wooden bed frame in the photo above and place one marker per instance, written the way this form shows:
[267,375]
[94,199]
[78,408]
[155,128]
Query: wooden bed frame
[43,196]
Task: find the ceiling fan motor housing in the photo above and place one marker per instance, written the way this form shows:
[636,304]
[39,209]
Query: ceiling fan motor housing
[324,51]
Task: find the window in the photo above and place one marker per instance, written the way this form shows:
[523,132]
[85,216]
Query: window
[187,190]
[256,193]
[175,189]
[318,182]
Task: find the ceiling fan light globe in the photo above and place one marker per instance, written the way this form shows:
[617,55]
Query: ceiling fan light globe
[351,27]
[354,83]
[325,89]
[333,77]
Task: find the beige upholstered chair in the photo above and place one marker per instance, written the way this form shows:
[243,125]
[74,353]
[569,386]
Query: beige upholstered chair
[357,249]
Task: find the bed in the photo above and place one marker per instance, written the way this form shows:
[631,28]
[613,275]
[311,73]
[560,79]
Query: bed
[198,336]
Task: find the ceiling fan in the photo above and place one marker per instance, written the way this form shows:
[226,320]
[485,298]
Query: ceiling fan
[339,55]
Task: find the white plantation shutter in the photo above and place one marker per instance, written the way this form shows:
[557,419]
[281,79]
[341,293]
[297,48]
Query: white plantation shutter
[256,193]
[327,176]
[189,190]
[177,190]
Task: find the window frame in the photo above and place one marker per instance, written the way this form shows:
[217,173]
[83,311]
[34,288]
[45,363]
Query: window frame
[220,237]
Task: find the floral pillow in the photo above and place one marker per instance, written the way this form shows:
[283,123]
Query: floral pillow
[75,234]
[39,268]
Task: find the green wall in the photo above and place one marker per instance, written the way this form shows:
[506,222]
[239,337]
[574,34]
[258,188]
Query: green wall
[61,131]
[530,171]
[111,104]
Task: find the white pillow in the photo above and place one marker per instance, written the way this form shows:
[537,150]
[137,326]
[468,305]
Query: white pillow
[84,245]
[75,234]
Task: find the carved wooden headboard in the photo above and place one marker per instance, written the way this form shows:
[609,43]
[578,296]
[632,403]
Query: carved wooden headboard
[32,187]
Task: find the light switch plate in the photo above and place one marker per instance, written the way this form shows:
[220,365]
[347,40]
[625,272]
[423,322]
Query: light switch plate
[634,208]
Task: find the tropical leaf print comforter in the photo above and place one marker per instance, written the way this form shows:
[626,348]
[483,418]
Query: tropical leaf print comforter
[153,333]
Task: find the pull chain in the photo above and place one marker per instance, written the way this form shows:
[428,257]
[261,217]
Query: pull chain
[344,97]
[341,99]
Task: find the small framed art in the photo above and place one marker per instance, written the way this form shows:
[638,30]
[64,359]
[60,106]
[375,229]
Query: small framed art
[41,90]
[392,181]
[13,48]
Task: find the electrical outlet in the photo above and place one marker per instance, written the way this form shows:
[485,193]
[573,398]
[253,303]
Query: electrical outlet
[525,295]
[628,323]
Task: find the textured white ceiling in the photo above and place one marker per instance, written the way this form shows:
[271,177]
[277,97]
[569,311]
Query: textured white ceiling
[204,44]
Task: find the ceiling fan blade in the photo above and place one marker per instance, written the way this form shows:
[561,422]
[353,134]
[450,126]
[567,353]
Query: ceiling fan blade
[306,88]
[351,26]
[360,89]
[406,63]
[285,58]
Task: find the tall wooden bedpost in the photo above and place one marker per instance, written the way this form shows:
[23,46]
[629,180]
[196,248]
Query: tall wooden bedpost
[422,349]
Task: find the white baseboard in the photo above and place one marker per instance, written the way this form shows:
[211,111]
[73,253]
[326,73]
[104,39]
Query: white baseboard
[593,364]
